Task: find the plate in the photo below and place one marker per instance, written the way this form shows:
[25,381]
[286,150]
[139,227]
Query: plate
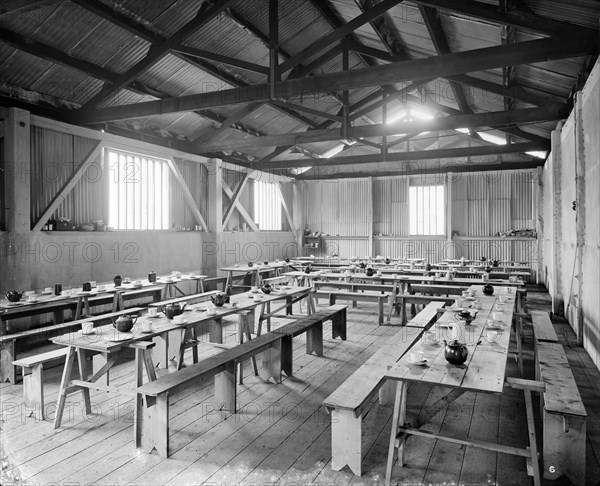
[47,292]
[122,336]
[29,301]
[137,286]
[495,325]
[86,333]
[13,304]
[83,293]
[254,291]
[423,362]
[431,343]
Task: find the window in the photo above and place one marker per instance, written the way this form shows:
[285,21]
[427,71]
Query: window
[267,206]
[138,192]
[427,210]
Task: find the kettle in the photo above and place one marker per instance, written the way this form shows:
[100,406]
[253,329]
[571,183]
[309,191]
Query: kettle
[455,353]
[124,323]
[488,289]
[13,296]
[219,299]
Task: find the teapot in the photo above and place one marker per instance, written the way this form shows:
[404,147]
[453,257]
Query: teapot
[388,261]
[250,264]
[466,316]
[266,288]
[483,259]
[219,299]
[449,275]
[428,267]
[488,269]
[362,265]
[117,280]
[455,353]
[307,269]
[287,260]
[488,289]
[172,310]
[152,276]
[495,263]
[13,296]
[124,323]
[370,272]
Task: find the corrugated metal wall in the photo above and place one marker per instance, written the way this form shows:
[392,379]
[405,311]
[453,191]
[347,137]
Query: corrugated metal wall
[339,207]
[390,207]
[196,177]
[54,156]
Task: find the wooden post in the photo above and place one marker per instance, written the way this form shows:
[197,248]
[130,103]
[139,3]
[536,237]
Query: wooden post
[556,237]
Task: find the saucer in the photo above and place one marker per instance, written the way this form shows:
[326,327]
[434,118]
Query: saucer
[119,336]
[495,325]
[83,292]
[146,332]
[422,362]
[31,301]
[431,343]
[253,291]
[154,317]
[211,313]
[86,333]
[47,292]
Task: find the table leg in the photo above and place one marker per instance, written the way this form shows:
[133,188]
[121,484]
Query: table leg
[139,405]
[399,417]
[62,393]
[78,308]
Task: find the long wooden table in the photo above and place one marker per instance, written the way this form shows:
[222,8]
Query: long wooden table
[240,271]
[484,371]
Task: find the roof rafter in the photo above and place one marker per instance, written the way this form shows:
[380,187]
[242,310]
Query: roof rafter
[421,69]
[443,153]
[489,119]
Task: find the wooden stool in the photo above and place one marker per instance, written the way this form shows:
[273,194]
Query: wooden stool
[244,328]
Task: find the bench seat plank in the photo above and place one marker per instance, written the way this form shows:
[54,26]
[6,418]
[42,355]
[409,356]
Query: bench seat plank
[30,361]
[542,327]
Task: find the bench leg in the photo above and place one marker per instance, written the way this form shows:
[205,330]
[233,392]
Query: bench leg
[216,331]
[272,362]
[8,372]
[156,424]
[380,303]
[386,393]
[225,390]
[346,435]
[564,447]
[286,355]
[62,393]
[314,339]
[288,309]
[33,389]
[338,325]
[83,376]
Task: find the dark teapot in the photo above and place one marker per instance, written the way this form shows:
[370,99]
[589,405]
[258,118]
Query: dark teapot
[152,276]
[124,323]
[265,262]
[488,269]
[219,299]
[250,264]
[117,280]
[455,353]
[370,272]
[362,265]
[13,296]
[466,316]
[266,288]
[307,269]
[287,260]
[428,267]
[495,263]
[388,261]
[483,259]
[488,289]
[172,310]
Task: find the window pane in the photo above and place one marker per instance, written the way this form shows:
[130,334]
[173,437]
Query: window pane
[427,210]
[267,206]
[139,196]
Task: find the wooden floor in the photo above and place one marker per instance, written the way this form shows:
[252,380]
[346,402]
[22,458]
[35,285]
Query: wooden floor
[282,433]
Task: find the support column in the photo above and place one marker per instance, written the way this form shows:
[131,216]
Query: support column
[580,211]
[17,133]
[212,257]
[556,235]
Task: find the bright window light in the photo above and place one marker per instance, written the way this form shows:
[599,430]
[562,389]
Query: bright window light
[462,130]
[426,207]
[492,138]
[421,114]
[299,170]
[267,206]
[334,151]
[138,192]
[539,155]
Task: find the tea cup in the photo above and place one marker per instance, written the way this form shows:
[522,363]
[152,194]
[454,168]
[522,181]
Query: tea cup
[178,319]
[127,280]
[32,298]
[498,315]
[492,335]
[416,356]
[168,279]
[428,337]
[47,290]
[93,283]
[101,287]
[137,282]
[152,311]
[87,327]
[147,326]
[500,307]
[233,305]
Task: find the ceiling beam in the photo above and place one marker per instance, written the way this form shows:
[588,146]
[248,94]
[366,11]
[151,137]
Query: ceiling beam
[329,173]
[384,31]
[416,70]
[488,119]
[211,56]
[374,53]
[337,35]
[207,12]
[444,153]
[515,18]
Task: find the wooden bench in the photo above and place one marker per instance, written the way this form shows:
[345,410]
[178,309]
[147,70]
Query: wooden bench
[333,295]
[188,299]
[277,357]
[215,282]
[313,326]
[543,330]
[33,366]
[350,403]
[563,416]
[402,300]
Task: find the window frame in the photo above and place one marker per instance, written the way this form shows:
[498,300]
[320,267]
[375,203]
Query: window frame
[443,210]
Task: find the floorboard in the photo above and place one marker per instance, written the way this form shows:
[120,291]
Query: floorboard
[282,433]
